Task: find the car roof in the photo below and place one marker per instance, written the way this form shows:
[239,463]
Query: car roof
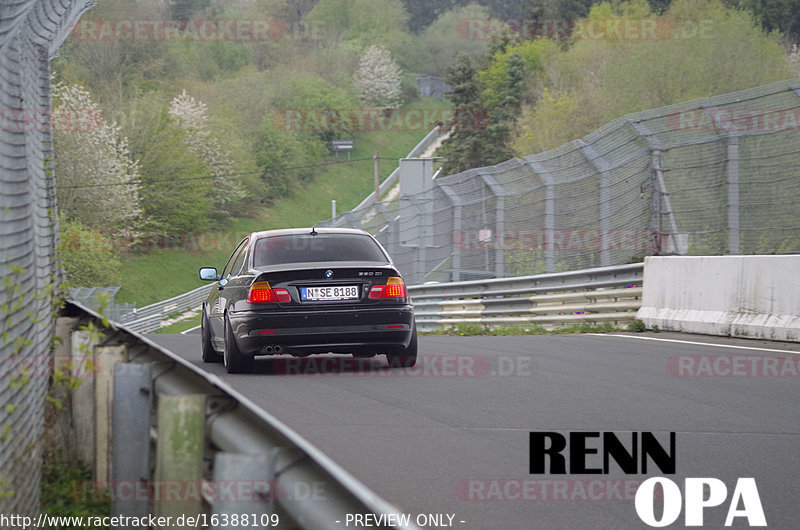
[296,231]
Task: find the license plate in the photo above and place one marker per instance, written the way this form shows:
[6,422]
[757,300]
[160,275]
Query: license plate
[340,292]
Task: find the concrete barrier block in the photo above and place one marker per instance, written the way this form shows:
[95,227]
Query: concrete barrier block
[740,296]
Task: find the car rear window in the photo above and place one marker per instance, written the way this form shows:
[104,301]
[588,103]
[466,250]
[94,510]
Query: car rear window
[304,248]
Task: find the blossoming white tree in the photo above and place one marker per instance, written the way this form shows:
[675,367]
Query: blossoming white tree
[378,78]
[192,115]
[95,174]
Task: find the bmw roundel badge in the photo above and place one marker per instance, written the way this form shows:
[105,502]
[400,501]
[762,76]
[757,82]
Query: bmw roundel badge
[329,274]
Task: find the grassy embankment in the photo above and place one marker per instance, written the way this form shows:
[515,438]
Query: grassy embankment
[158,275]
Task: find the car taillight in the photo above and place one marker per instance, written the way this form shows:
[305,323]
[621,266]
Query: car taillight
[261,292]
[394,288]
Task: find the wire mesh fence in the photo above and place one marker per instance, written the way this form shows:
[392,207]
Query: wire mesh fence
[719,175]
[30,33]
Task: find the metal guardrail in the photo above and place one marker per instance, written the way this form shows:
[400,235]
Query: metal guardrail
[605,294]
[149,318]
[170,439]
[602,294]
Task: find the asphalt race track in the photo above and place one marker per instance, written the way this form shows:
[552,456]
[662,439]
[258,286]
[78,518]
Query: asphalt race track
[451,436]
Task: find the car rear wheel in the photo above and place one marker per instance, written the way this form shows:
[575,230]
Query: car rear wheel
[235,361]
[407,357]
[210,355]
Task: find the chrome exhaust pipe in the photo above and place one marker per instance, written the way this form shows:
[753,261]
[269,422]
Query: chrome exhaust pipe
[277,349]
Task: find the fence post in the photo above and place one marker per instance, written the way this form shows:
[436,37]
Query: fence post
[82,366]
[549,215]
[664,206]
[457,235]
[107,357]
[656,222]
[733,194]
[732,177]
[499,193]
[601,166]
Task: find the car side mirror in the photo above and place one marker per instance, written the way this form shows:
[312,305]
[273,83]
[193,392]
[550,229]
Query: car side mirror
[209,274]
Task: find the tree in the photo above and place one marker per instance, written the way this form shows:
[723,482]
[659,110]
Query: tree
[174,195]
[378,79]
[423,12]
[561,9]
[446,38]
[708,50]
[183,9]
[494,95]
[781,15]
[361,22]
[284,158]
[511,69]
[88,256]
[192,116]
[95,172]
[466,146]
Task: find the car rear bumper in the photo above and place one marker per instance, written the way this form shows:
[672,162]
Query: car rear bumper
[373,330]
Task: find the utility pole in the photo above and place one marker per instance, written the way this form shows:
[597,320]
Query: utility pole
[376,160]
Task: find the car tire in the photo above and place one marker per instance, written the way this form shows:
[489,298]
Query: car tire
[405,358]
[235,361]
[210,355]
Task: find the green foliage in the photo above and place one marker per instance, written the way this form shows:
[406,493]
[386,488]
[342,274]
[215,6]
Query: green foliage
[637,326]
[496,91]
[444,40]
[560,9]
[211,60]
[181,325]
[143,279]
[284,158]
[362,21]
[508,69]
[544,125]
[466,146]
[525,262]
[423,12]
[68,490]
[172,197]
[89,256]
[701,49]
[306,92]
[183,9]
[773,15]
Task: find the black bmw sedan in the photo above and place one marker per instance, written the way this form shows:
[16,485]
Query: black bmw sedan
[307,291]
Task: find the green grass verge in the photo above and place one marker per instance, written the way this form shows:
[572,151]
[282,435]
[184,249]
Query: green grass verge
[162,274]
[465,330]
[183,325]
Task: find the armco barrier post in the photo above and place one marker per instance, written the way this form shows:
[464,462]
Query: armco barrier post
[107,357]
[82,365]
[130,436]
[179,454]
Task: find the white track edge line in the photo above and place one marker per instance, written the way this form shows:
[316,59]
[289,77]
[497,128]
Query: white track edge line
[695,342]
